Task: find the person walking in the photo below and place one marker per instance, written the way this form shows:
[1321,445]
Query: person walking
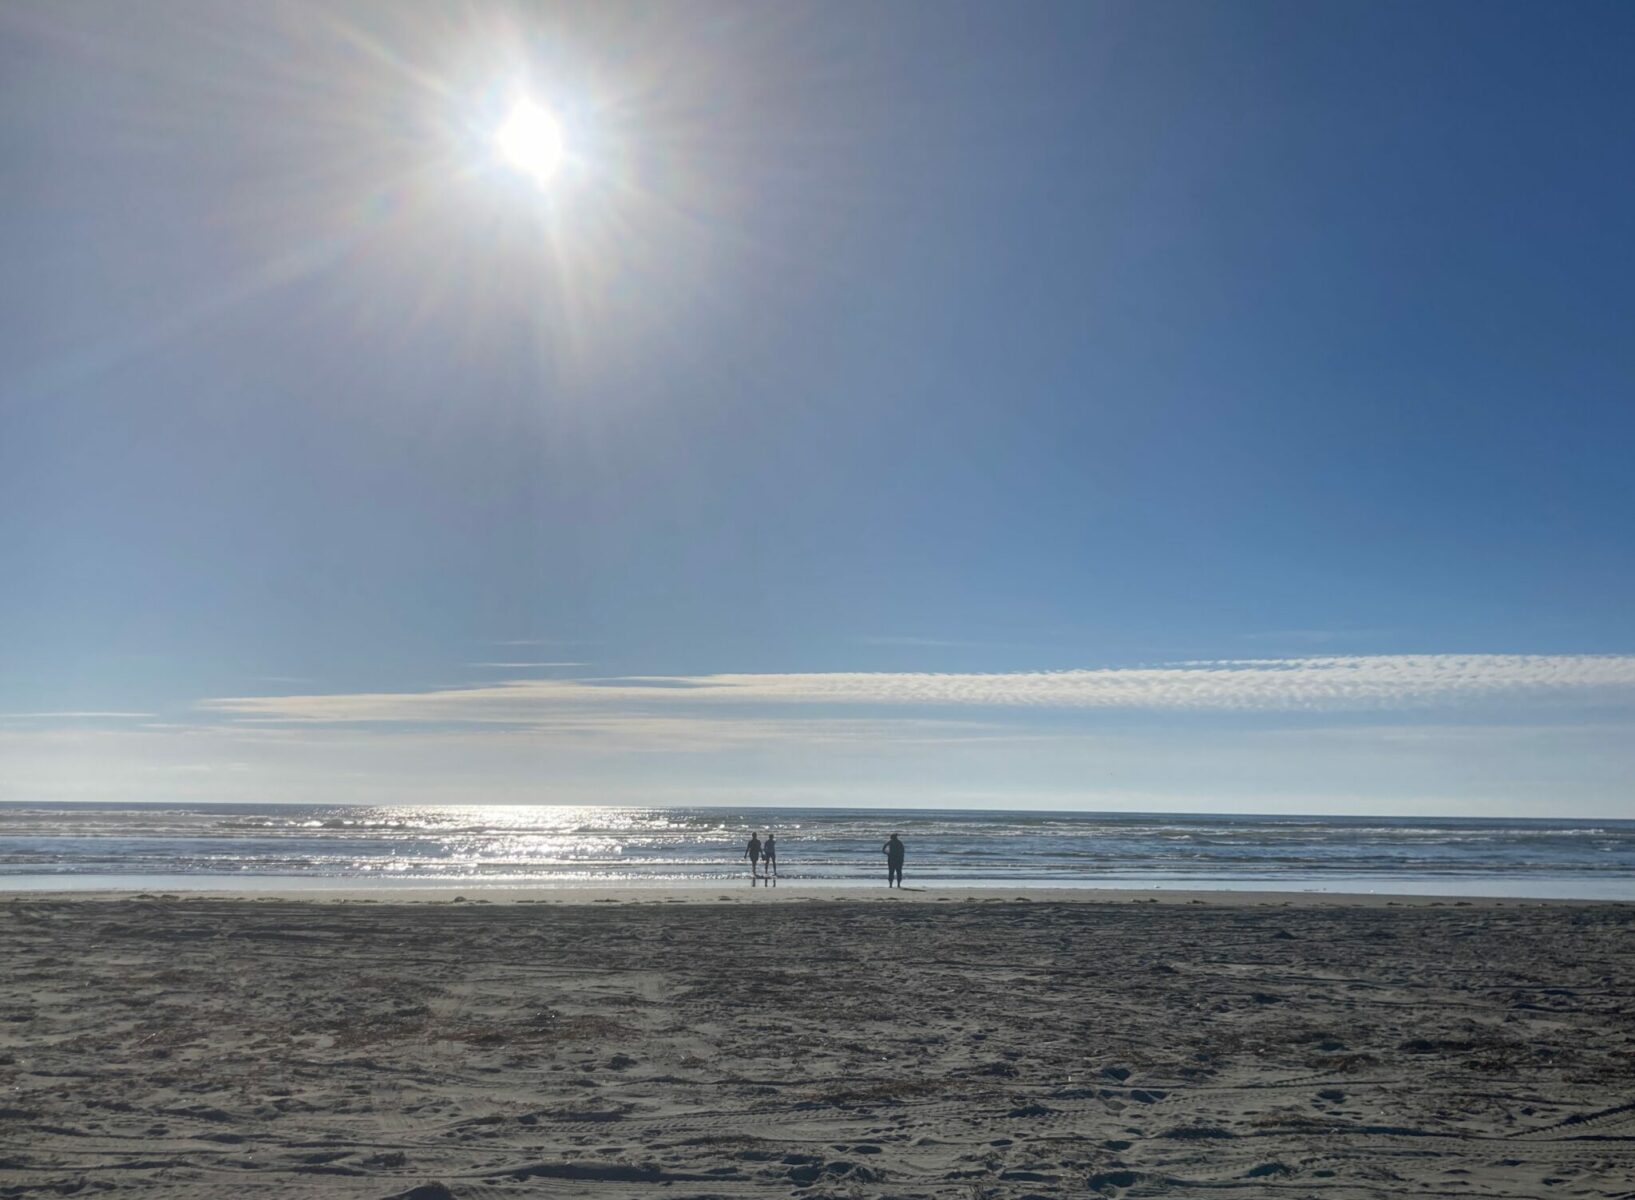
[893,850]
[753,853]
[769,855]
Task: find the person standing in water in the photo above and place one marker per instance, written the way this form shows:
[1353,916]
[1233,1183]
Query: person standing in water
[753,853]
[769,854]
[893,850]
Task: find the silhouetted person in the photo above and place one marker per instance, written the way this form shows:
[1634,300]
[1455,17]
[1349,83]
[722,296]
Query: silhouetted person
[753,853]
[769,854]
[893,850]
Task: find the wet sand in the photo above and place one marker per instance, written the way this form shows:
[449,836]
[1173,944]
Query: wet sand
[820,1046]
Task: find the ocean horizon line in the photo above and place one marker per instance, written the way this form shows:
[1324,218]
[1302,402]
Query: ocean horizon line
[669,806]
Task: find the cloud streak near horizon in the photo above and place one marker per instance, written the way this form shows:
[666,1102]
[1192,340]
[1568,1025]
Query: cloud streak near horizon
[1292,685]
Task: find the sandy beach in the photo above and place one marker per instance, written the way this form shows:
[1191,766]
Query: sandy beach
[822,1045]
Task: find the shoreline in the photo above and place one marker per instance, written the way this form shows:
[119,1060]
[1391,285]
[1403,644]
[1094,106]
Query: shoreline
[793,893]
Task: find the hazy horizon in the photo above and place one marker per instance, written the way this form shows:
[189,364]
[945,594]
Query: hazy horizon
[774,807]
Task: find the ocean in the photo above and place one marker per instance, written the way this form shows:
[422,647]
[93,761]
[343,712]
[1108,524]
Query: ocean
[79,846]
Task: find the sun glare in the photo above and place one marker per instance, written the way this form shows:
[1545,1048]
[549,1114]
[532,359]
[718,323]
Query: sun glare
[530,140]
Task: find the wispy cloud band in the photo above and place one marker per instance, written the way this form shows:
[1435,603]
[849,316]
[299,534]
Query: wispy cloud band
[1331,684]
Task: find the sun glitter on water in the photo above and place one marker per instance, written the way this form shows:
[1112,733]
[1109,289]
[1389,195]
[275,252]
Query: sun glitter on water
[530,140]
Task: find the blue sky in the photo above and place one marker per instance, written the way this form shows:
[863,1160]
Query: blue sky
[1264,366]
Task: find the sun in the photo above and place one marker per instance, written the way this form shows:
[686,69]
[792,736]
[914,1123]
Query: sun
[530,140]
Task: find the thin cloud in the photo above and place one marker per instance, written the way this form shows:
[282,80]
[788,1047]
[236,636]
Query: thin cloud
[623,732]
[75,715]
[619,731]
[1333,684]
[526,665]
[1314,637]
